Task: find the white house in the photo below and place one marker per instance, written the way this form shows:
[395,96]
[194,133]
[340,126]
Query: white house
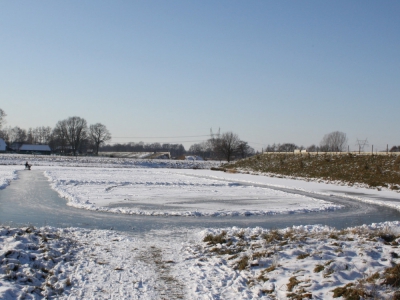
[3,145]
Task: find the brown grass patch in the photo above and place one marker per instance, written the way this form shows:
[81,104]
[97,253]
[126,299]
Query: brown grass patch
[350,292]
[318,268]
[303,256]
[215,239]
[242,263]
[392,276]
[292,283]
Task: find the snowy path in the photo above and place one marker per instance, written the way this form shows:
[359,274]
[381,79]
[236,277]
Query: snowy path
[114,266]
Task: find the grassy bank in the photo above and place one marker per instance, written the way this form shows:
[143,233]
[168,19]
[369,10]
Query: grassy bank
[319,263]
[372,170]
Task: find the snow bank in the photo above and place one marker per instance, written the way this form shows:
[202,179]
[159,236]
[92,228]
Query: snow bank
[7,173]
[106,162]
[33,262]
[303,262]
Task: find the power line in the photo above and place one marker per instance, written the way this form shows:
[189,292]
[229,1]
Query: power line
[175,142]
[256,143]
[157,137]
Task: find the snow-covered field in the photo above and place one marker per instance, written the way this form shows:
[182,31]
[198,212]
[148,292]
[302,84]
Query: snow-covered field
[221,263]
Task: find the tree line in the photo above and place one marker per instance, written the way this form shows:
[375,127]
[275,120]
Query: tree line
[335,141]
[71,135]
[227,146]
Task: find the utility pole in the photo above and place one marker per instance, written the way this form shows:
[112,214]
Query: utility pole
[361,144]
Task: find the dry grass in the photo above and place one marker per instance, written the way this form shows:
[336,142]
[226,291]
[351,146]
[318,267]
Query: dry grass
[318,268]
[372,170]
[392,276]
[273,236]
[270,269]
[215,239]
[303,256]
[299,296]
[253,251]
[292,283]
[242,263]
[350,292]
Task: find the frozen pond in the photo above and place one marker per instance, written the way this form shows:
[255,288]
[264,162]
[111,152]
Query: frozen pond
[168,192]
[30,200]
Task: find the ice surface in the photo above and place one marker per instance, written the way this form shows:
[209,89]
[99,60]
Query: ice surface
[170,192]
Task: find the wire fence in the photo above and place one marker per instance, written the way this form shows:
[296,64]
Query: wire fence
[336,153]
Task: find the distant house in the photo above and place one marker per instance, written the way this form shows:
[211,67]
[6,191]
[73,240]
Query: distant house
[3,145]
[35,149]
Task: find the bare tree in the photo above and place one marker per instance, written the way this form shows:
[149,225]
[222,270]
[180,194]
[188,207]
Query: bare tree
[271,148]
[18,135]
[334,142]
[2,116]
[42,134]
[58,141]
[244,150]
[395,149]
[99,134]
[312,148]
[287,147]
[226,146]
[74,130]
[203,149]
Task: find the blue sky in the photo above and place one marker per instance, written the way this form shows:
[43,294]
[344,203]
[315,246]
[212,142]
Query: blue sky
[270,71]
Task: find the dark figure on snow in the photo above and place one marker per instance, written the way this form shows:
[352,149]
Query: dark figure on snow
[27,166]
